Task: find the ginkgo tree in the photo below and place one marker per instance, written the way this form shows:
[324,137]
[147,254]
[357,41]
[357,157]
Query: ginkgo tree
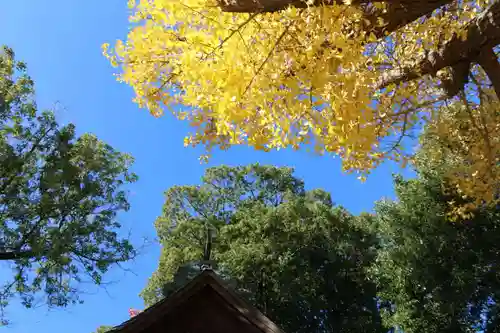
[353,78]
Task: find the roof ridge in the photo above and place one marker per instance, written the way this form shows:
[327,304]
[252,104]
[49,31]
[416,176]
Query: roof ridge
[206,277]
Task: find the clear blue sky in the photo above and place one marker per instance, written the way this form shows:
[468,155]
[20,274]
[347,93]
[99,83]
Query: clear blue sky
[61,43]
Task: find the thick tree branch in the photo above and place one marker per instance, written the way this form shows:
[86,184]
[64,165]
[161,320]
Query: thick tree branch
[265,6]
[482,34]
[488,60]
[398,12]
[453,83]
[15,255]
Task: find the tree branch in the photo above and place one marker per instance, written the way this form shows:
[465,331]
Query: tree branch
[397,14]
[482,34]
[7,182]
[488,60]
[15,255]
[459,76]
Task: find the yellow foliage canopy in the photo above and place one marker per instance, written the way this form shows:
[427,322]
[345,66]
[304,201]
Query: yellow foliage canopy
[464,139]
[318,76]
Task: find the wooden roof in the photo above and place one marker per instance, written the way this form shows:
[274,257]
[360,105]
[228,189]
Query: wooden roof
[205,304]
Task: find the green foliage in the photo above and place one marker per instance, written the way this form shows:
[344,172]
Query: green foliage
[103,329]
[190,211]
[59,198]
[303,262]
[439,275]
[312,267]
[292,253]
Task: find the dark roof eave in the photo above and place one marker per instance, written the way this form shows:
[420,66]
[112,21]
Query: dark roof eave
[207,277]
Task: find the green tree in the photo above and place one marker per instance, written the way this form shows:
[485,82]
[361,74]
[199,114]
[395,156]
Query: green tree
[59,198]
[103,329]
[440,274]
[289,251]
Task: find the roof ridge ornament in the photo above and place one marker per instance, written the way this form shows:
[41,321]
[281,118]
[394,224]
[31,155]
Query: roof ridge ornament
[206,266]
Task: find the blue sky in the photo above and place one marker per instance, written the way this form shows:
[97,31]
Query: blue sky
[61,43]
